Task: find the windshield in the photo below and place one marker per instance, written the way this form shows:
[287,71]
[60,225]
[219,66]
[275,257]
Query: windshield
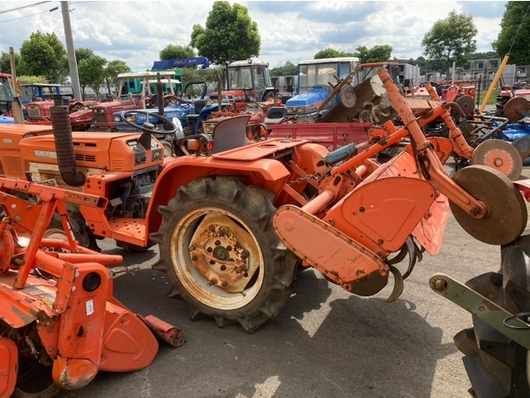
[27,94]
[321,74]
[240,77]
[243,77]
[6,94]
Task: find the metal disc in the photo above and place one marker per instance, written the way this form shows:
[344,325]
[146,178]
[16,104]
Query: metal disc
[466,103]
[516,108]
[499,155]
[348,98]
[507,215]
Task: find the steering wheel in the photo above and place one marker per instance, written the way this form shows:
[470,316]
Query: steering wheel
[149,127]
[174,100]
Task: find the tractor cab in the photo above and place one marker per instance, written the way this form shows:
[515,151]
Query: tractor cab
[6,93]
[314,84]
[37,100]
[134,92]
[247,81]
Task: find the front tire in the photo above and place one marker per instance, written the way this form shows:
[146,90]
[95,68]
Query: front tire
[219,251]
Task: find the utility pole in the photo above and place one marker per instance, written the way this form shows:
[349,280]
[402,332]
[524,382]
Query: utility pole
[18,116]
[72,63]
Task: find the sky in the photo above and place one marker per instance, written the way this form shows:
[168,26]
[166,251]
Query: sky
[294,31]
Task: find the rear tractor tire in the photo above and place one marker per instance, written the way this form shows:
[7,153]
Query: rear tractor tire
[220,253]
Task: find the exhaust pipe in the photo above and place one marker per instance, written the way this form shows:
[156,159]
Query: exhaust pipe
[62,133]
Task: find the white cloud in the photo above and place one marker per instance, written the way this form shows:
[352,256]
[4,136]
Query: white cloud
[290,30]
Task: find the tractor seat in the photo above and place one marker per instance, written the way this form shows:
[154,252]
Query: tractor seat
[275,114]
[230,133]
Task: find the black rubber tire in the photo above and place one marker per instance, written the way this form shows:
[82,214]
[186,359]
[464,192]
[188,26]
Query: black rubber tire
[266,290]
[81,231]
[497,366]
[499,106]
[34,379]
[39,385]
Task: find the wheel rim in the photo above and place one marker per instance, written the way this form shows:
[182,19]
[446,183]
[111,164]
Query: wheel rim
[55,233]
[167,149]
[217,258]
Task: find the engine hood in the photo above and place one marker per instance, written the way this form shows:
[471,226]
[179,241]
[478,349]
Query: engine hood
[314,95]
[104,151]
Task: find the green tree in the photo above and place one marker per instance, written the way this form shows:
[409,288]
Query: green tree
[450,40]
[515,33]
[331,53]
[378,53]
[173,51]
[44,54]
[486,55]
[82,53]
[114,68]
[209,74]
[26,79]
[5,63]
[91,73]
[286,70]
[229,35]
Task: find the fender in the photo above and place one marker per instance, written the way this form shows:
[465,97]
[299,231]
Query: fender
[254,162]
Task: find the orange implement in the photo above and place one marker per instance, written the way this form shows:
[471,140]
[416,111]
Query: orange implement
[61,305]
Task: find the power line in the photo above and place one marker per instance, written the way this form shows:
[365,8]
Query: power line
[31,15]
[26,6]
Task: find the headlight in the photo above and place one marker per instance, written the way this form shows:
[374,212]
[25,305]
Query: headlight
[208,128]
[303,109]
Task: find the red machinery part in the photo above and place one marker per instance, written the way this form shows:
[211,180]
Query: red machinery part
[8,367]
[69,316]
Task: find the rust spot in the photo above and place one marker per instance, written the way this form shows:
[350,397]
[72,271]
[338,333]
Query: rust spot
[41,316]
[489,306]
[360,272]
[81,332]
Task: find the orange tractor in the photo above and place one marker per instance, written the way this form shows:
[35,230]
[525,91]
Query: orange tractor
[60,323]
[234,220]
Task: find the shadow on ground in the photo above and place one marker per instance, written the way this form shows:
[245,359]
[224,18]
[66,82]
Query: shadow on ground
[324,343]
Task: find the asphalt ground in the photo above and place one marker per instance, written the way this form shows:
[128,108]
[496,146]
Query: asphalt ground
[325,343]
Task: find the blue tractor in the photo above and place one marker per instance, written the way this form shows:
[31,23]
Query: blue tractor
[314,86]
[185,108]
[187,112]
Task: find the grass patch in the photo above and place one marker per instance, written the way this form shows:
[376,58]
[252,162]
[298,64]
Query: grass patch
[492,100]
